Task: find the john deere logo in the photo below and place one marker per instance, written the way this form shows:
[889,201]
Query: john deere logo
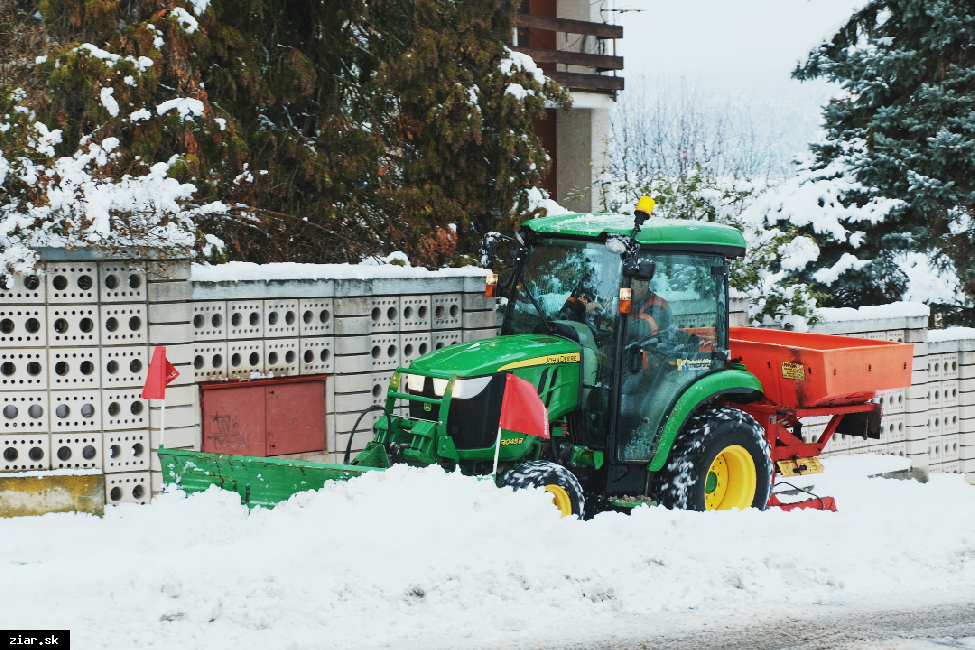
[427,407]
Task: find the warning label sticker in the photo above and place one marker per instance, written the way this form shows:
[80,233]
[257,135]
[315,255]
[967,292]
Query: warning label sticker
[793,371]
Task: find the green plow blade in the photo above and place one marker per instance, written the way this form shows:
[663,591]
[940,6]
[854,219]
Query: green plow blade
[259,481]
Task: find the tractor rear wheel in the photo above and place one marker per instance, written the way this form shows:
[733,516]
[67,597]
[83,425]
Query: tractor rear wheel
[566,492]
[721,460]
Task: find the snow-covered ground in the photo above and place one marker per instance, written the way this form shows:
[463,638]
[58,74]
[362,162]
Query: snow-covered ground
[419,558]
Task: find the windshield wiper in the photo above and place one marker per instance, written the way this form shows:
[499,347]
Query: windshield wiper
[551,328]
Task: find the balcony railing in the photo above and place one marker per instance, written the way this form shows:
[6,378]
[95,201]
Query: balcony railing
[578,81]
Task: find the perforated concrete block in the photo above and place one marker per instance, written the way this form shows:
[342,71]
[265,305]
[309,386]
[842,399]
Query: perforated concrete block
[949,420]
[936,449]
[246,319]
[210,320]
[76,451]
[73,325]
[281,317]
[125,451]
[316,355]
[74,367]
[210,360]
[479,319]
[281,357]
[124,409]
[384,314]
[479,335]
[893,402]
[23,369]
[385,351]
[124,366]
[413,345]
[951,448]
[894,426]
[22,289]
[170,334]
[447,312]
[123,281]
[24,411]
[316,316]
[76,410]
[127,487]
[22,326]
[935,423]
[949,365]
[895,336]
[352,325]
[72,282]
[443,338]
[245,357]
[897,449]
[935,390]
[25,452]
[933,367]
[415,314]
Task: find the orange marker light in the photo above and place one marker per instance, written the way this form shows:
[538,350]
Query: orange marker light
[491,287]
[625,297]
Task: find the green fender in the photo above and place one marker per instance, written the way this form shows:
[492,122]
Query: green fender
[708,386]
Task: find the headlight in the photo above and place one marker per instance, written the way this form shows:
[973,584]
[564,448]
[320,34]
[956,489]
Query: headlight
[439,386]
[468,388]
[415,383]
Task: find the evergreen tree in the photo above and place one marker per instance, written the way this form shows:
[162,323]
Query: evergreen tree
[905,129]
[290,130]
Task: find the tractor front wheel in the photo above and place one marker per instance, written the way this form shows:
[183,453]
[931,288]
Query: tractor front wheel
[566,492]
[721,460]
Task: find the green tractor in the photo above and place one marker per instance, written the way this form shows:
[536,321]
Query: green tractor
[623,329]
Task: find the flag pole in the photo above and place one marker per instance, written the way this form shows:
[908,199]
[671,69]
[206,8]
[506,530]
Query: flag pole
[497,452]
[162,423]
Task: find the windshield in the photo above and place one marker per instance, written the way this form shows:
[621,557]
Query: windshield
[571,281]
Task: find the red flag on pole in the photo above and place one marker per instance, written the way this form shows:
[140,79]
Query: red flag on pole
[522,409]
[160,373]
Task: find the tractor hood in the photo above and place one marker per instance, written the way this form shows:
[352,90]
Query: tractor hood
[499,354]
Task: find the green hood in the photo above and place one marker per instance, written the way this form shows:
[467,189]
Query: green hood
[479,358]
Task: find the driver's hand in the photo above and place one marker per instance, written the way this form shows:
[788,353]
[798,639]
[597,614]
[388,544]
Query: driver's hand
[592,307]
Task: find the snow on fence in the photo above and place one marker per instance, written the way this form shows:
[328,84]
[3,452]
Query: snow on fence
[75,344]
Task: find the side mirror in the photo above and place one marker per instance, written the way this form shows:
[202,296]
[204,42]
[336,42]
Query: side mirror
[639,268]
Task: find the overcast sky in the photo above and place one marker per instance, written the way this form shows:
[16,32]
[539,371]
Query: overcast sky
[754,42]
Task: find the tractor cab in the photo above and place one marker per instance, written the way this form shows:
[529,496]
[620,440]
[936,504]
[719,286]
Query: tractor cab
[642,340]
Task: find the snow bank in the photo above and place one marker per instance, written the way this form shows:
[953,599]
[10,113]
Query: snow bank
[419,558]
[893,310]
[249,271]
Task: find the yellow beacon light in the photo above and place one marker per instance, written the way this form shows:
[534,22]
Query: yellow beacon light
[645,205]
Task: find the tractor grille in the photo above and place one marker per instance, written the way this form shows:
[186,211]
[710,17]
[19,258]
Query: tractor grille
[473,423]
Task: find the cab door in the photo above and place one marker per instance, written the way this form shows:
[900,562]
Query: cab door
[671,337]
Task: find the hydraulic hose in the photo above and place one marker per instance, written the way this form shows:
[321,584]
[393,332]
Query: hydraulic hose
[348,447]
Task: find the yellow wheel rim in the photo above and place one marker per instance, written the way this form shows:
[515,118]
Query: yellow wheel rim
[731,480]
[560,498]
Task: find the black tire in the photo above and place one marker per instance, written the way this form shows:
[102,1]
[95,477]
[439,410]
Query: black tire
[553,478]
[683,483]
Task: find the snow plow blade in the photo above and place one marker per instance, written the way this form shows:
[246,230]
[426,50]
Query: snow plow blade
[259,481]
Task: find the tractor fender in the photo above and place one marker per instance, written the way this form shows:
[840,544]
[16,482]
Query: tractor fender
[723,382]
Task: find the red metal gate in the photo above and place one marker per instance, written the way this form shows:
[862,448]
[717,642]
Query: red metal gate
[271,417]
